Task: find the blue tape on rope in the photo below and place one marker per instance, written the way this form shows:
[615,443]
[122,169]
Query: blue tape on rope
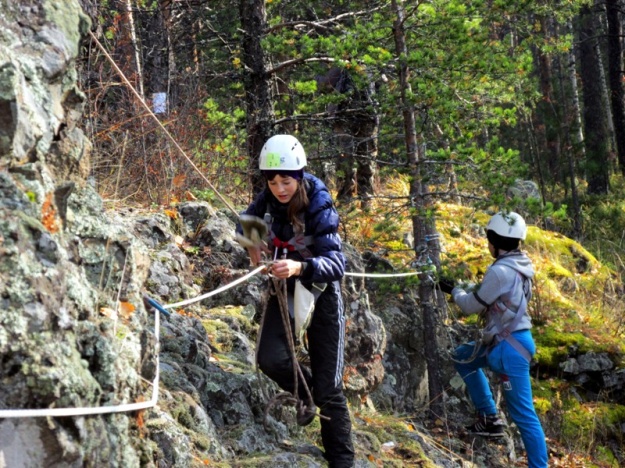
[157,306]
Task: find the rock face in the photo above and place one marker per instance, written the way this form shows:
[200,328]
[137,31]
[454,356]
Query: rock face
[65,267]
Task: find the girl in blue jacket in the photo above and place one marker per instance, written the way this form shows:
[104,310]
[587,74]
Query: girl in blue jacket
[305,245]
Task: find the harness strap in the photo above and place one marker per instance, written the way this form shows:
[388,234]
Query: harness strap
[504,333]
[298,243]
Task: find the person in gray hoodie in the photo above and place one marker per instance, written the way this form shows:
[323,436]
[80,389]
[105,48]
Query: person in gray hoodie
[507,345]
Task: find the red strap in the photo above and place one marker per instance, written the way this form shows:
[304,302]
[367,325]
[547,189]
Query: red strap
[283,245]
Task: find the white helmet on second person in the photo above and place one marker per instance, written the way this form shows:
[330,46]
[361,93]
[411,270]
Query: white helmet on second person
[509,224]
[282,153]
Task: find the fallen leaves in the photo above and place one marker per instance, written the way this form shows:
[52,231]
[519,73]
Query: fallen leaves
[173,214]
[124,311]
[48,215]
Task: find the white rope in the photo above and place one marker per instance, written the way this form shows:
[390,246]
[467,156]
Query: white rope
[253,272]
[383,275]
[216,291]
[84,411]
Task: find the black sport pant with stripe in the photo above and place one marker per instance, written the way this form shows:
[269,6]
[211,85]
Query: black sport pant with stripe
[326,341]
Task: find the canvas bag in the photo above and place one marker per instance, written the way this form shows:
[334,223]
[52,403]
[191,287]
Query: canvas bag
[302,306]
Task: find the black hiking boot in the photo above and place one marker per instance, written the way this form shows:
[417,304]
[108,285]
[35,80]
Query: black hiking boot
[488,426]
[306,412]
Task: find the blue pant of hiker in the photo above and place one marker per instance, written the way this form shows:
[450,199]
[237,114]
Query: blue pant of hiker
[513,370]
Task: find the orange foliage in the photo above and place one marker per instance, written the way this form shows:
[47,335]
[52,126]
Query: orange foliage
[48,215]
[173,214]
[125,310]
[178,180]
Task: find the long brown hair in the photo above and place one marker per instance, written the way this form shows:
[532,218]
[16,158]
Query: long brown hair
[298,204]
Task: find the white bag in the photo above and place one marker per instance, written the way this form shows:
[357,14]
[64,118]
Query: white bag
[303,307]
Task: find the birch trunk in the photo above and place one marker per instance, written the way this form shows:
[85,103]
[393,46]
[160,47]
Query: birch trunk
[132,34]
[578,129]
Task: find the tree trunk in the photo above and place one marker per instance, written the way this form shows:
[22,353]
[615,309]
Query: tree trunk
[424,229]
[599,31]
[534,151]
[574,135]
[546,115]
[356,132]
[367,147]
[594,116]
[129,34]
[157,56]
[578,128]
[615,75]
[257,84]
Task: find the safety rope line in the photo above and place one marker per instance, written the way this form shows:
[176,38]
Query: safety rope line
[298,375]
[85,411]
[171,138]
[383,275]
[258,269]
[216,291]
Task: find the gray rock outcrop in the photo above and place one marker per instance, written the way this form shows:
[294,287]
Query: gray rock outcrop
[65,268]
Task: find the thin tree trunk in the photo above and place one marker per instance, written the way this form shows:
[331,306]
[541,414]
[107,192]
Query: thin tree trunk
[452,185]
[569,149]
[615,63]
[157,57]
[535,157]
[132,34]
[166,9]
[594,116]
[367,145]
[578,133]
[549,121]
[258,99]
[599,30]
[356,131]
[424,229]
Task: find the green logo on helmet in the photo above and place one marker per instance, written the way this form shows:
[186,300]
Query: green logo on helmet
[273,160]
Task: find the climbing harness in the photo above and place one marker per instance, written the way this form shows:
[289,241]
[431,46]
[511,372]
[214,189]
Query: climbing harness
[496,311]
[504,333]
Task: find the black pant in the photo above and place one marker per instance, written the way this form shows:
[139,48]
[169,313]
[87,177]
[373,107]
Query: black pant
[326,341]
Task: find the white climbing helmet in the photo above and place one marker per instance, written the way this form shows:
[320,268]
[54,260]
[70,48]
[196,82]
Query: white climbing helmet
[282,152]
[509,224]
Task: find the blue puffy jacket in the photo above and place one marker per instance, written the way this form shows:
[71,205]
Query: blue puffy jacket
[321,222]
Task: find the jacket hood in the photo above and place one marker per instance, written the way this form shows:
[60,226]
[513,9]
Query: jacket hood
[518,261]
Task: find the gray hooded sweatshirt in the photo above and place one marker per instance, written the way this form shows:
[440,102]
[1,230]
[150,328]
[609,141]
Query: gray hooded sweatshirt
[501,292]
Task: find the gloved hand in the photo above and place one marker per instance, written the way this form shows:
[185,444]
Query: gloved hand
[467,286]
[254,231]
[446,284]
